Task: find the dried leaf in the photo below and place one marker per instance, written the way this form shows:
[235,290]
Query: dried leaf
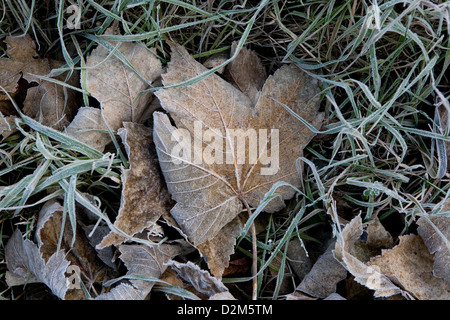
[219,249]
[95,237]
[411,265]
[378,237]
[80,254]
[437,241]
[88,127]
[123,291]
[325,274]
[298,259]
[51,104]
[143,261]
[117,87]
[23,258]
[347,252]
[216,60]
[144,194]
[247,72]
[209,194]
[201,280]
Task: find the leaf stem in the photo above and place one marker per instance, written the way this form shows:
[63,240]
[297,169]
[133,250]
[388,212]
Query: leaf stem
[254,254]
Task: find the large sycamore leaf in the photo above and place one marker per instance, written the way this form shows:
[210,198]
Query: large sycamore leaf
[411,266]
[24,259]
[144,194]
[211,187]
[119,83]
[47,102]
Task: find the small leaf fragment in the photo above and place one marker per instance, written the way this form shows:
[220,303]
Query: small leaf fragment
[88,127]
[326,272]
[200,279]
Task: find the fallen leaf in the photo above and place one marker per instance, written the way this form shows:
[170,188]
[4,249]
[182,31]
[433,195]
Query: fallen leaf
[142,260]
[325,274]
[219,249]
[201,280]
[23,258]
[123,291]
[210,193]
[95,235]
[437,241]
[298,258]
[411,265]
[216,60]
[350,254]
[88,127]
[247,72]
[80,254]
[335,296]
[47,102]
[144,195]
[118,87]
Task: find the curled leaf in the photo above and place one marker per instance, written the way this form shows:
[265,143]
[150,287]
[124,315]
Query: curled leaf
[24,258]
[351,255]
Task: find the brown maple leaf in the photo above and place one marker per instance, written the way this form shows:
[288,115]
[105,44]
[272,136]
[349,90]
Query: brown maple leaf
[119,85]
[208,172]
[47,102]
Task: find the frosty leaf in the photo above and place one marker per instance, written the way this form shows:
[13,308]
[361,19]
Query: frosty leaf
[80,254]
[48,103]
[247,72]
[348,253]
[142,261]
[118,87]
[123,291]
[23,258]
[148,261]
[298,258]
[144,195]
[321,281]
[95,237]
[200,279]
[88,127]
[219,248]
[411,265]
[437,241]
[209,192]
